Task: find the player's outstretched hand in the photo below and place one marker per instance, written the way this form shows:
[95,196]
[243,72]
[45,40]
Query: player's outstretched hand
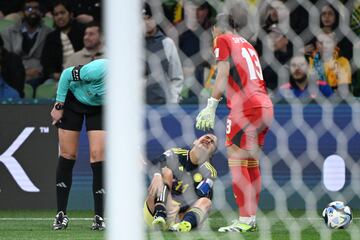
[205,120]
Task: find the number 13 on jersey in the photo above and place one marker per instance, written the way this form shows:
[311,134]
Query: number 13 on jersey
[253,63]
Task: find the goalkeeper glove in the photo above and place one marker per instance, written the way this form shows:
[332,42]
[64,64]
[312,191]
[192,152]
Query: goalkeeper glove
[205,120]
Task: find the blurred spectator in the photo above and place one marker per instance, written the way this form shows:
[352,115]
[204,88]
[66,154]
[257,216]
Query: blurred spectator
[45,7]
[87,11]
[197,27]
[195,44]
[329,23]
[6,91]
[12,69]
[11,10]
[93,46]
[84,11]
[279,44]
[60,44]
[163,72]
[172,10]
[176,11]
[275,13]
[355,26]
[27,39]
[300,84]
[281,48]
[355,18]
[329,66]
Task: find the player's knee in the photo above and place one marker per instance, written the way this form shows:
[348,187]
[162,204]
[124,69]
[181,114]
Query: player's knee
[68,155]
[97,155]
[205,202]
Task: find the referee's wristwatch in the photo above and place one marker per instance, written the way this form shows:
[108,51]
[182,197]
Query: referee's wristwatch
[59,106]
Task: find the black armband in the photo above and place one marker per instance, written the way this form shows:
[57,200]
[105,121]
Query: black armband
[76,73]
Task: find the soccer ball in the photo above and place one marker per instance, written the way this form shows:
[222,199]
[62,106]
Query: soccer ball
[337,215]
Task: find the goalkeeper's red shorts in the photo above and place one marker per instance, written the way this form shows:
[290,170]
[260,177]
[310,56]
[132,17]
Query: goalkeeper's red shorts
[248,129]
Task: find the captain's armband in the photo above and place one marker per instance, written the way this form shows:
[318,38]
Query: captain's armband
[76,73]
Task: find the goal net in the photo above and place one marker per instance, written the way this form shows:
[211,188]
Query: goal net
[311,153]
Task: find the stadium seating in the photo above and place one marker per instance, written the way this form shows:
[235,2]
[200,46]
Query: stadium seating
[46,90]
[29,91]
[5,24]
[48,21]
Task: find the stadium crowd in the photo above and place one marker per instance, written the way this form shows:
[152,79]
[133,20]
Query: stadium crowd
[38,39]
[42,37]
[284,33]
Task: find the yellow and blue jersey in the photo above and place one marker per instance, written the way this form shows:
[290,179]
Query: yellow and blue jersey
[190,181]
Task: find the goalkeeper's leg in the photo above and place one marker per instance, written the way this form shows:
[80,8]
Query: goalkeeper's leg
[246,179]
[255,177]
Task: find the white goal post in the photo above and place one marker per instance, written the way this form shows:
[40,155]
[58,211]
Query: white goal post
[123,179]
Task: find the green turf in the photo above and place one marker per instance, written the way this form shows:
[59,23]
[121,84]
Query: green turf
[294,226]
[297,227]
[41,229]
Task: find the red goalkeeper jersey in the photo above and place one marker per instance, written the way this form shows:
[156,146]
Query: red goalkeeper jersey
[246,86]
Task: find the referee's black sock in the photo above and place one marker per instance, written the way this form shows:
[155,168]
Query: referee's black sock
[63,182]
[98,188]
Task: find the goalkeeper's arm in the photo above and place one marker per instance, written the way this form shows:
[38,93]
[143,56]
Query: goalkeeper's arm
[206,118]
[223,69]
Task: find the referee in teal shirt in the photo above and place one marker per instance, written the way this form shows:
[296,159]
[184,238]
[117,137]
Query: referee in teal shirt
[80,96]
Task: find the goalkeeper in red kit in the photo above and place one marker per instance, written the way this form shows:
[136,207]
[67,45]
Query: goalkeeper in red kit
[239,74]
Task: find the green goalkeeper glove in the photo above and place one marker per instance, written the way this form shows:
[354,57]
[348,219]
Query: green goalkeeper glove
[205,120]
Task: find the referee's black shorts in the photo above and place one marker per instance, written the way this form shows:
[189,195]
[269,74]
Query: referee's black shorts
[76,112]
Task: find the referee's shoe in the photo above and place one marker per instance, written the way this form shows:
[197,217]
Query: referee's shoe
[98,223]
[61,221]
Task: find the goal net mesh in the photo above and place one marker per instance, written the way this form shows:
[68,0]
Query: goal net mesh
[311,153]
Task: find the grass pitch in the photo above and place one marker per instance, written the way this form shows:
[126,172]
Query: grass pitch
[21,225]
[271,226]
[31,225]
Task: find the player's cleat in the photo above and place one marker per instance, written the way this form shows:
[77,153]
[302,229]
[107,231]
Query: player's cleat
[183,226]
[238,226]
[159,223]
[98,223]
[61,221]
